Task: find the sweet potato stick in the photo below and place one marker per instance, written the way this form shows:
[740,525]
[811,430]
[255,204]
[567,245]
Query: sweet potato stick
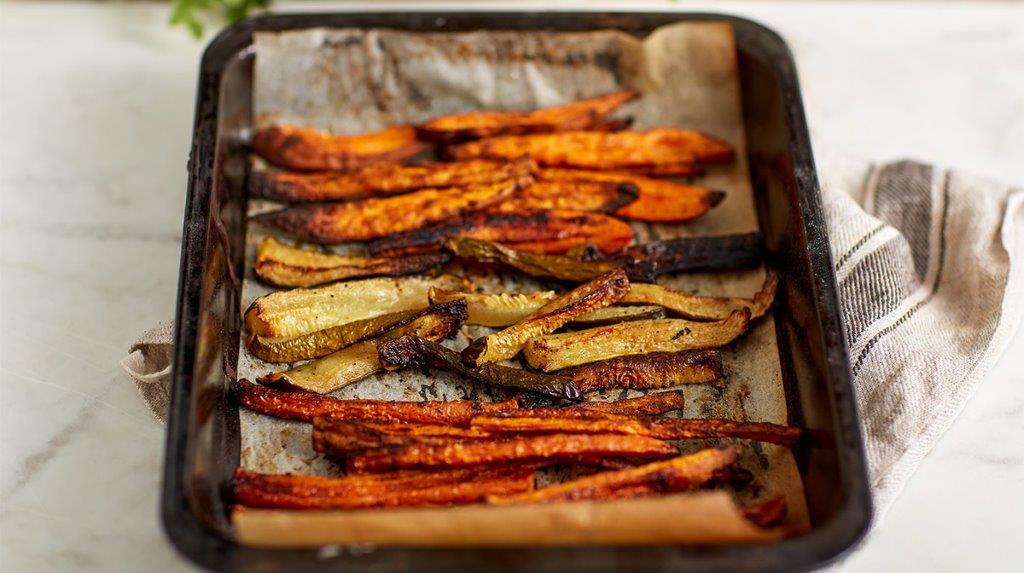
[286,266]
[704,307]
[381,180]
[677,474]
[298,405]
[417,351]
[766,513]
[553,231]
[327,493]
[546,449]
[661,370]
[585,298]
[602,150]
[659,201]
[557,351]
[662,428]
[595,196]
[310,150]
[367,219]
[583,114]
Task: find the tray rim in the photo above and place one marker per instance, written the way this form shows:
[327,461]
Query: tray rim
[822,545]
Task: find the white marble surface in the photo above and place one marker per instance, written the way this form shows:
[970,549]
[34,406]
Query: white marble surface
[95,116]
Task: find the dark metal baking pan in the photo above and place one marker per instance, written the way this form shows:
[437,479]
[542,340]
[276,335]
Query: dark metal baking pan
[202,435]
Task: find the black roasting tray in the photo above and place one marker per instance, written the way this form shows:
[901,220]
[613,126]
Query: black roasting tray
[203,423]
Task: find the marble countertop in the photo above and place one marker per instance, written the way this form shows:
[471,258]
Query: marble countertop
[94,137]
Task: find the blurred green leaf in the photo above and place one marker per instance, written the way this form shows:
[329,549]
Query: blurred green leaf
[193,14]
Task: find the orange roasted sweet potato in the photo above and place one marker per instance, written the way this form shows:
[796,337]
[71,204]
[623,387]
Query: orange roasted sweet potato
[544,449]
[596,196]
[305,149]
[643,150]
[648,405]
[677,474]
[541,231]
[583,114]
[299,405]
[366,219]
[355,492]
[382,179]
[659,201]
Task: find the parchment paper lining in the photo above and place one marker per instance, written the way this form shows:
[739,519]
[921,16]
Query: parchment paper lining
[351,81]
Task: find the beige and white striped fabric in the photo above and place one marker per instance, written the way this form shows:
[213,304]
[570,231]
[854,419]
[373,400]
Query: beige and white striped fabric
[928,263]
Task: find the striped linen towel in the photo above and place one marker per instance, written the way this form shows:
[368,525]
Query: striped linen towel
[928,263]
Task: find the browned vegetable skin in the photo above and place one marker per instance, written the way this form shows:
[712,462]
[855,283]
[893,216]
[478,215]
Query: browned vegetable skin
[704,307]
[524,422]
[648,405]
[546,449]
[355,492]
[415,351]
[367,219]
[286,266]
[596,196]
[583,114]
[660,370]
[382,179]
[643,263]
[533,264]
[677,474]
[339,437]
[310,150]
[585,298]
[659,201]
[358,361]
[299,405]
[554,231]
[557,351]
[602,150]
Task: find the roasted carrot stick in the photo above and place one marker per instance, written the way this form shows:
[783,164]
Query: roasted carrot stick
[310,150]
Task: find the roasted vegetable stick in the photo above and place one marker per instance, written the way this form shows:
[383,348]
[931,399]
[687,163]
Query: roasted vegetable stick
[542,231]
[310,150]
[659,201]
[518,422]
[585,298]
[328,340]
[557,351]
[704,307]
[583,114]
[533,264]
[649,405]
[505,309]
[367,219]
[648,371]
[286,314]
[595,196]
[313,492]
[382,179]
[304,406]
[766,513]
[644,263]
[602,150]
[412,351]
[358,361]
[287,266]
[677,474]
[547,449]
[338,437]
